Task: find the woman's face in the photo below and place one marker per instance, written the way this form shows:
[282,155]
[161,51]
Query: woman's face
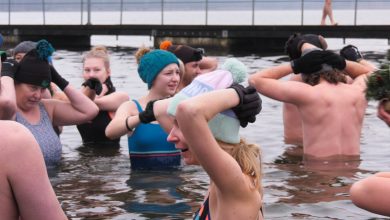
[176,137]
[167,80]
[95,68]
[28,96]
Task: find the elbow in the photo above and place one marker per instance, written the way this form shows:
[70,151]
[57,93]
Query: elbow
[92,112]
[109,133]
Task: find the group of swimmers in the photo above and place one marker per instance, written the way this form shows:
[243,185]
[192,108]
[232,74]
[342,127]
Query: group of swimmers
[324,110]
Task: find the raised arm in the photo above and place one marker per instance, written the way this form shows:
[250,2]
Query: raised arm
[7,91]
[78,110]
[266,82]
[112,101]
[208,64]
[192,116]
[125,120]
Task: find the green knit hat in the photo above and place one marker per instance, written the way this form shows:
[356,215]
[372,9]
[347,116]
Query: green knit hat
[152,63]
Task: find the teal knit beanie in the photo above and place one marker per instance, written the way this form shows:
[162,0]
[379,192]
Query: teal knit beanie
[152,63]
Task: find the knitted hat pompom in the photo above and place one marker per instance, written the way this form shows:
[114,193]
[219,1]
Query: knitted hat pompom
[44,49]
[236,68]
[165,45]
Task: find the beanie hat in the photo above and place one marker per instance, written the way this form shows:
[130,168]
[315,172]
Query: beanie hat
[34,68]
[24,47]
[152,63]
[225,125]
[184,53]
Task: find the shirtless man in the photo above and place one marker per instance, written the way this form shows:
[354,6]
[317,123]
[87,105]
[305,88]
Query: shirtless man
[331,111]
[25,189]
[291,118]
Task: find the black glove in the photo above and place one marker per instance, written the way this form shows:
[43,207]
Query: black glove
[9,67]
[57,78]
[351,53]
[94,84]
[294,44]
[249,106]
[336,61]
[147,115]
[310,62]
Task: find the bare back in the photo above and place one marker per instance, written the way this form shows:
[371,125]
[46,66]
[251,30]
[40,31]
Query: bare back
[332,120]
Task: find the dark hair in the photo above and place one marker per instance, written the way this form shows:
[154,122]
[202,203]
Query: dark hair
[333,76]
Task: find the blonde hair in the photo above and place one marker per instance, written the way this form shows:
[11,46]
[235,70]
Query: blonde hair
[248,156]
[141,52]
[98,52]
[181,69]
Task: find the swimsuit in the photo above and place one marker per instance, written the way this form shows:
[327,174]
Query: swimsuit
[149,148]
[43,131]
[203,213]
[93,133]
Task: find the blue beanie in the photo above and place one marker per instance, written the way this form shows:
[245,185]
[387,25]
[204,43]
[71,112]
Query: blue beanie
[152,63]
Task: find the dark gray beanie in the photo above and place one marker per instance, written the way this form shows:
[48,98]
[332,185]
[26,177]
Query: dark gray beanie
[24,47]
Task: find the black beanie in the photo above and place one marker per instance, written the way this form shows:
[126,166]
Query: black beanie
[34,68]
[185,53]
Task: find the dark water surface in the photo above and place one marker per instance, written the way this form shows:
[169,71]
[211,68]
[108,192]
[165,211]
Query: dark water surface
[96,183]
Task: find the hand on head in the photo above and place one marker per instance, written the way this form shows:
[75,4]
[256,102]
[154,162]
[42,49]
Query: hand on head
[295,42]
[313,62]
[250,104]
[352,53]
[8,68]
[57,79]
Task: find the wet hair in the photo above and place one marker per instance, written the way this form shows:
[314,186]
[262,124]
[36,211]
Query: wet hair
[98,52]
[248,156]
[334,77]
[141,52]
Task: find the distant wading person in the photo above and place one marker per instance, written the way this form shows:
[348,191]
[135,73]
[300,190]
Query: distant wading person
[100,89]
[32,77]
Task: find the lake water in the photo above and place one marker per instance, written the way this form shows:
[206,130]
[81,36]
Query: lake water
[99,184]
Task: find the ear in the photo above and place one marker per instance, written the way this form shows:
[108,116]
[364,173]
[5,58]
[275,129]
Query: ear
[108,72]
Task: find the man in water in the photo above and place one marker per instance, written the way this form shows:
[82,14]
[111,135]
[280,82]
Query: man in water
[332,111]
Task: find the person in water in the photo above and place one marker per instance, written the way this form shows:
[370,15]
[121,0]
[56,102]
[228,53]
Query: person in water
[148,145]
[292,121]
[32,76]
[26,192]
[194,60]
[100,89]
[371,193]
[324,100]
[207,134]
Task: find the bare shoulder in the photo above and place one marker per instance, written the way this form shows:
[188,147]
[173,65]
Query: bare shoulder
[15,135]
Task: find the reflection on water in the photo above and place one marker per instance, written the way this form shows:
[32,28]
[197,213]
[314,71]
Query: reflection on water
[97,183]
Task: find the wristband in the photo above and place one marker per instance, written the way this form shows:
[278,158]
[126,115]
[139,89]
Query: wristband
[127,124]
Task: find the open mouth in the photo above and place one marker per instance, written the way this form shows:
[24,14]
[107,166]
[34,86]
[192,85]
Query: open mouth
[184,150]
